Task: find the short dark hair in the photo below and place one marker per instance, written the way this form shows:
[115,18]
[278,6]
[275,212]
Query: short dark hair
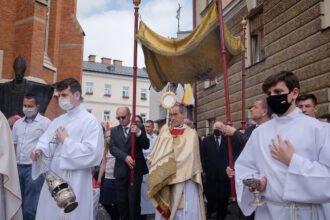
[182,109]
[305,97]
[69,82]
[290,80]
[150,122]
[139,117]
[32,96]
[264,105]
[326,116]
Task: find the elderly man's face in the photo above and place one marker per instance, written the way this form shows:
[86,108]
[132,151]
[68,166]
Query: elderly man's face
[176,116]
[123,116]
[257,111]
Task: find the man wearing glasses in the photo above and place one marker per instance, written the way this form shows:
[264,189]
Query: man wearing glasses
[128,197]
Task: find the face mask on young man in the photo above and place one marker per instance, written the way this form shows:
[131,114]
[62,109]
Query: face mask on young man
[65,104]
[29,112]
[279,104]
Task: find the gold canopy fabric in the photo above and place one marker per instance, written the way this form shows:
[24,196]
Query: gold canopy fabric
[196,57]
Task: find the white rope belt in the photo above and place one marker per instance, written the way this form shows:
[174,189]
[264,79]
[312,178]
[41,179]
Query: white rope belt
[293,207]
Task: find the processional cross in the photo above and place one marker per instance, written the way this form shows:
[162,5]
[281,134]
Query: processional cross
[178,12]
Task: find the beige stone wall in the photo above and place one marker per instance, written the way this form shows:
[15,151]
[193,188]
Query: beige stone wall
[294,41]
[202,4]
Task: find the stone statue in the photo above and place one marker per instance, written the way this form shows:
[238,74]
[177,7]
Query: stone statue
[12,92]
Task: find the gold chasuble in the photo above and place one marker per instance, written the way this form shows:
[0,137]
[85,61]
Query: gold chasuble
[174,159]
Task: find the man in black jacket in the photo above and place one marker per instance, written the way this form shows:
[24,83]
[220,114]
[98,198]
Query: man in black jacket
[214,156]
[128,197]
[260,113]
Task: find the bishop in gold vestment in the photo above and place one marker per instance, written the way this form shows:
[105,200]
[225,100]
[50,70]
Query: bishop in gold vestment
[175,172]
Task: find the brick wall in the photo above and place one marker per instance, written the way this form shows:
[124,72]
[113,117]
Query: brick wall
[22,32]
[294,41]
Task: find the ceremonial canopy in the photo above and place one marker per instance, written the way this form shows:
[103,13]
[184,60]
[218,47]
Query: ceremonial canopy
[196,57]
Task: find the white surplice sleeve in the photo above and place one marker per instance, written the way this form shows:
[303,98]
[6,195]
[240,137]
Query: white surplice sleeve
[84,153]
[306,180]
[245,167]
[40,166]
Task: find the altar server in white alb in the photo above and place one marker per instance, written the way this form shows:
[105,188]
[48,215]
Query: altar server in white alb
[291,156]
[146,206]
[79,148]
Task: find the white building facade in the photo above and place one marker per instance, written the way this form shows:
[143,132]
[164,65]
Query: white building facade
[107,86]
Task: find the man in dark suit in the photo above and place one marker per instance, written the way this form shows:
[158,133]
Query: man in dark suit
[260,113]
[128,197]
[214,154]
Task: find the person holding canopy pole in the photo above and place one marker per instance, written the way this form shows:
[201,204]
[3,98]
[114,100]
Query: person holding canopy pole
[205,41]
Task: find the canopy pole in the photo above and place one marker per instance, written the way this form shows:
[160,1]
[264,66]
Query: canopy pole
[223,55]
[136,18]
[243,22]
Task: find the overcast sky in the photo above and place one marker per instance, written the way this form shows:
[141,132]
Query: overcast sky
[108,25]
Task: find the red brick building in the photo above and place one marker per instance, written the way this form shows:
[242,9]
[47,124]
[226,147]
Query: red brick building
[47,34]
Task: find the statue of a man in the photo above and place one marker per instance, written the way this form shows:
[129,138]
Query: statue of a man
[12,92]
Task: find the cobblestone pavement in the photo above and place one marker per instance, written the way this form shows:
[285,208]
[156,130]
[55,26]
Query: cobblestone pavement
[232,214]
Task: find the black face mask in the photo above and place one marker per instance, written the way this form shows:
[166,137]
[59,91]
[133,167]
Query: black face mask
[217,132]
[278,103]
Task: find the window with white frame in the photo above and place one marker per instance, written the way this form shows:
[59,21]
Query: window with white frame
[107,89]
[256,35]
[89,88]
[106,115]
[143,94]
[209,125]
[125,91]
[143,116]
[209,83]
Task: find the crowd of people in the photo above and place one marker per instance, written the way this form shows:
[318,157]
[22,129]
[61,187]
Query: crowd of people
[176,172]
